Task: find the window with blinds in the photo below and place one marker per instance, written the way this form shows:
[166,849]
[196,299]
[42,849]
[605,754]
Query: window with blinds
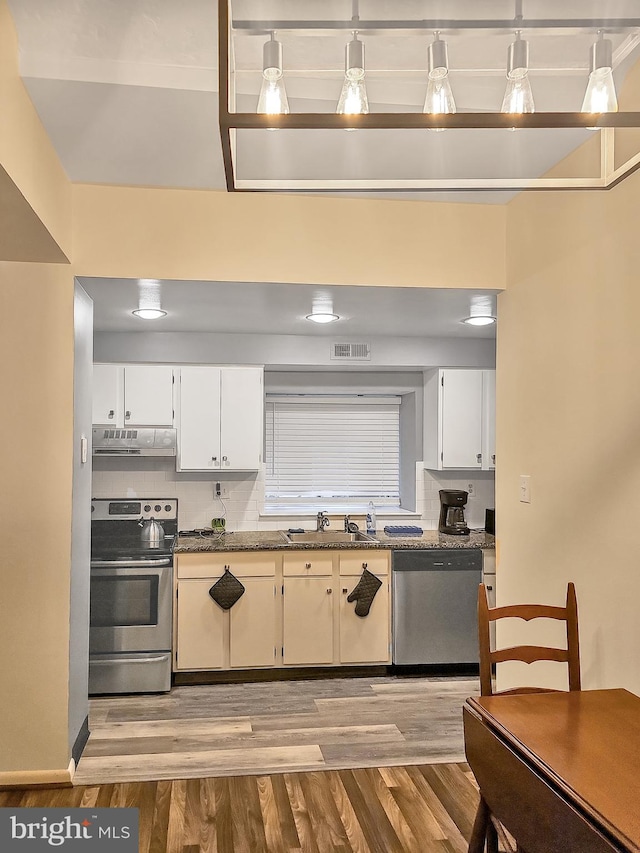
[341,448]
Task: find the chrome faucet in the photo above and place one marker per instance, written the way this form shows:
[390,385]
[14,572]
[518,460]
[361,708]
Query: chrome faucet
[322,521]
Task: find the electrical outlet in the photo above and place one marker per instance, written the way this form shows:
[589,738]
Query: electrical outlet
[220,490]
[471,490]
[525,489]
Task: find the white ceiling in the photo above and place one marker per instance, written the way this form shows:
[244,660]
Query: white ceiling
[127,92]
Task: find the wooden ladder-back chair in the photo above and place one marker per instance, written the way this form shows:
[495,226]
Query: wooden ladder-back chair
[528,654]
[486,828]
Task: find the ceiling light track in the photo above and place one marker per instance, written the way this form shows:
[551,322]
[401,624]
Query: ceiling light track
[427,26]
[518,111]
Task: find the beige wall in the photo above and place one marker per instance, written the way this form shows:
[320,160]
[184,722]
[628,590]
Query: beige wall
[36,435]
[154,233]
[569,416]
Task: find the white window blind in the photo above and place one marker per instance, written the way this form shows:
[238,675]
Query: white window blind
[333,447]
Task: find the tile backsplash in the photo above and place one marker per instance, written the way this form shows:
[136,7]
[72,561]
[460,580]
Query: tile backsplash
[242,497]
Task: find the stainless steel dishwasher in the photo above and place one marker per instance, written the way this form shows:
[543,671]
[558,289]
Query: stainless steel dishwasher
[435,594]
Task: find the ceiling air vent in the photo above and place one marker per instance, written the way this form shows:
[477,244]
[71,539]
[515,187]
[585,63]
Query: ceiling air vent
[351,352]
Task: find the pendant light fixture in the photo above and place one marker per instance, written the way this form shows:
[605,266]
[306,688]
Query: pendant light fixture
[600,96]
[149,306]
[273,95]
[353,97]
[439,99]
[518,97]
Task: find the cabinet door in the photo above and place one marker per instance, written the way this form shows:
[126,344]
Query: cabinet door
[253,624]
[308,620]
[364,639]
[241,418]
[148,395]
[200,628]
[108,380]
[199,419]
[489,419]
[461,422]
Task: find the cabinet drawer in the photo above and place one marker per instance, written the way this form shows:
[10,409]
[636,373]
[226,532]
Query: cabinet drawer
[304,563]
[353,562]
[241,564]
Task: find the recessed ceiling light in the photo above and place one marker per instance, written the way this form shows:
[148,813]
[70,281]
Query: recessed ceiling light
[479,320]
[149,313]
[322,309]
[149,304]
[322,317]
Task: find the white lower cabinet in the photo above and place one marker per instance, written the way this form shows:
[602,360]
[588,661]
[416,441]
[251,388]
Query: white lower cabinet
[208,637]
[364,639]
[252,629]
[200,627]
[308,621]
[294,611]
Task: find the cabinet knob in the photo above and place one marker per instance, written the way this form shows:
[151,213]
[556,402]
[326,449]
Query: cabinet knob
[490,588]
[364,565]
[224,458]
[214,458]
[493,458]
[478,457]
[345,590]
[127,416]
[307,565]
[329,591]
[111,414]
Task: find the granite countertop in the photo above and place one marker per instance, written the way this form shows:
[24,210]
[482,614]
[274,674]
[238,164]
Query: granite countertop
[272,540]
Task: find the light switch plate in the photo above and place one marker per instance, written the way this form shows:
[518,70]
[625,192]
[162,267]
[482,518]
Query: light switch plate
[525,488]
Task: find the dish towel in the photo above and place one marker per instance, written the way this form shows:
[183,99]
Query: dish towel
[227,590]
[364,592]
[403,530]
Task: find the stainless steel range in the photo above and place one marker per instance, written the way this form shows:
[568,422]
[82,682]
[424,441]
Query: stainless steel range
[130,624]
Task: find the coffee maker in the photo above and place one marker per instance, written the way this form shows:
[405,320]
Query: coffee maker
[452,503]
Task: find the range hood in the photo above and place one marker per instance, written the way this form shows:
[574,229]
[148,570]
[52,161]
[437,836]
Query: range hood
[134,442]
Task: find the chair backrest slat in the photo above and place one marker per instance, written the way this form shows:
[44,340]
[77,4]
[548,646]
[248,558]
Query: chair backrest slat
[528,654]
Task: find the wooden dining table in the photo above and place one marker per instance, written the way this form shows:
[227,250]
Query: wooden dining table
[561,771]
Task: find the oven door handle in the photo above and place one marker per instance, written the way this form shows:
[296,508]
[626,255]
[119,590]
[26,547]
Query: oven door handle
[134,564]
[109,661]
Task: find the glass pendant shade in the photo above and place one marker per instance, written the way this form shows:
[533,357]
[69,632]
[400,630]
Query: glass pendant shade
[439,99]
[273,95]
[353,97]
[600,96]
[518,97]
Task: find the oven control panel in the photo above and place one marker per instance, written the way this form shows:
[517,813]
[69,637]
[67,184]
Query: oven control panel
[134,509]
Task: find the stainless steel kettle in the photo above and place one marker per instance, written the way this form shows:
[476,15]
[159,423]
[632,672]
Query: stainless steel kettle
[152,533]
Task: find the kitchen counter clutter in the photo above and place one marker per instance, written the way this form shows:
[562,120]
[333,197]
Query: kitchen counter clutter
[273,540]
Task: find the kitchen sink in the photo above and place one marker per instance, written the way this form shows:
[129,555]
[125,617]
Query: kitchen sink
[313,537]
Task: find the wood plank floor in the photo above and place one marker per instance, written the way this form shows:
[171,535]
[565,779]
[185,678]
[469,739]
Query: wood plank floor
[275,727]
[419,809]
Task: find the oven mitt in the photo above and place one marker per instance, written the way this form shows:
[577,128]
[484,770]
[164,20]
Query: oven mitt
[364,592]
[227,590]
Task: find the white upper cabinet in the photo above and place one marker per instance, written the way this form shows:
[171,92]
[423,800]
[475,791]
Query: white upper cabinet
[459,419]
[132,395]
[220,418]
